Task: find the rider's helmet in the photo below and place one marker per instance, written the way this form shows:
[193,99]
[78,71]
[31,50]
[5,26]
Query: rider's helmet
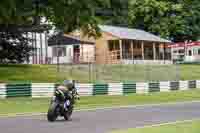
[69,84]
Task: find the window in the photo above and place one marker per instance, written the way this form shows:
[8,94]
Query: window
[137,45]
[54,52]
[126,44]
[113,45]
[59,51]
[117,45]
[190,53]
[181,51]
[194,51]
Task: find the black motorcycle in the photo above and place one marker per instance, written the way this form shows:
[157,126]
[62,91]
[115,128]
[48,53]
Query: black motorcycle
[62,104]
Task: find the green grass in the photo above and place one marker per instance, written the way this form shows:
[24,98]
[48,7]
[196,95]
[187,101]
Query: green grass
[29,105]
[28,73]
[185,127]
[99,73]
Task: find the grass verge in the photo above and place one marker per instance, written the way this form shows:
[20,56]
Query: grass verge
[40,105]
[184,127]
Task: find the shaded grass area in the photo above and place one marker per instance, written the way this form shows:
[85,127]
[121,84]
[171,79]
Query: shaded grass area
[98,73]
[185,127]
[38,105]
[28,73]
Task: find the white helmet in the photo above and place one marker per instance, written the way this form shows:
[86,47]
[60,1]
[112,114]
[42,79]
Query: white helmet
[68,83]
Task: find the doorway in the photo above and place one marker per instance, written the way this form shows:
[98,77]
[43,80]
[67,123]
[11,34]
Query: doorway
[76,52]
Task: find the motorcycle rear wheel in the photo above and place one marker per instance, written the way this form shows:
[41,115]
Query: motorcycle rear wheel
[68,114]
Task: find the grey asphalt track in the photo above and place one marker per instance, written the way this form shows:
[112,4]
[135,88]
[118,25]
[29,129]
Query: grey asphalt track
[103,121]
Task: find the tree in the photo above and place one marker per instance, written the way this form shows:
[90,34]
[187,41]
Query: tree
[118,15]
[176,20]
[14,48]
[69,15]
[14,45]
[16,12]
[191,15]
[65,15]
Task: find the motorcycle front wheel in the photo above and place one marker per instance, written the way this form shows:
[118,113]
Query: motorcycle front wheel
[52,114]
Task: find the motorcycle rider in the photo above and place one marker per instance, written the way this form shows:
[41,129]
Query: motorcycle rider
[69,92]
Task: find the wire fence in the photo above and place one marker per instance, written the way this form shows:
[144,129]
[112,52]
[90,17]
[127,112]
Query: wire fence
[128,69]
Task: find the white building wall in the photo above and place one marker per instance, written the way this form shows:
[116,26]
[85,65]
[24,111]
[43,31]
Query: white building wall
[65,59]
[38,54]
[87,53]
[194,57]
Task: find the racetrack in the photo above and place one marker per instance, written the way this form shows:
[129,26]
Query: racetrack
[103,120]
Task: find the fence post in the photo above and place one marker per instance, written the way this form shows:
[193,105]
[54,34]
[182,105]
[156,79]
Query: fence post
[177,71]
[96,68]
[147,72]
[120,70]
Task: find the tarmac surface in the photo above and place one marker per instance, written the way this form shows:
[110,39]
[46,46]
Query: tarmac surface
[103,120]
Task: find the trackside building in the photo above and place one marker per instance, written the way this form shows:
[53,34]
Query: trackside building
[186,52]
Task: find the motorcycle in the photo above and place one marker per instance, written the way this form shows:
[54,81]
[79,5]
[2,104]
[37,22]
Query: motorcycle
[62,105]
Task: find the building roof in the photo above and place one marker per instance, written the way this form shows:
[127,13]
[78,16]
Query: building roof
[182,44]
[133,34]
[62,39]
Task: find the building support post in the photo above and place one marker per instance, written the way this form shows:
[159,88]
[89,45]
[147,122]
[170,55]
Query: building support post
[154,51]
[41,49]
[163,51]
[132,49]
[82,54]
[35,48]
[58,62]
[46,49]
[32,45]
[142,50]
[121,49]
[28,59]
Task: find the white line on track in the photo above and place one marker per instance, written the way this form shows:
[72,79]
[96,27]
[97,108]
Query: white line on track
[169,123]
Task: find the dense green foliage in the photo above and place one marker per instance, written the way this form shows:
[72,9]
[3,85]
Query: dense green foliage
[177,20]
[119,17]
[14,48]
[13,43]
[65,15]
